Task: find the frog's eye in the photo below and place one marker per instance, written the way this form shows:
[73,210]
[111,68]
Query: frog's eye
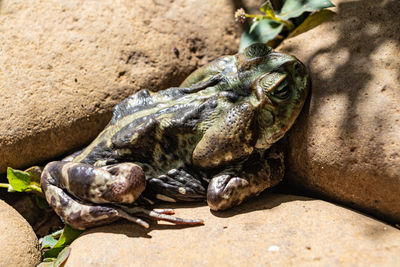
[282,92]
[276,85]
[257,50]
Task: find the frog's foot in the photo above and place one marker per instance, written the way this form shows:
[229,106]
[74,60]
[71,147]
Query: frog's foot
[225,191]
[175,185]
[232,187]
[81,215]
[156,214]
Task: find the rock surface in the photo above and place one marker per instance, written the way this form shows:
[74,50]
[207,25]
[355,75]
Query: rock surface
[276,230]
[346,144]
[65,64]
[18,243]
[42,221]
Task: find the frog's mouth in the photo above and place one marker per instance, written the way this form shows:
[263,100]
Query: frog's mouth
[266,128]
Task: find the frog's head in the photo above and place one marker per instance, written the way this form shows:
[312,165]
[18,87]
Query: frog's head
[279,84]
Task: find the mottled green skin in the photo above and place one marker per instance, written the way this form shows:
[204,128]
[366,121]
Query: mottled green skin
[130,136]
[214,130]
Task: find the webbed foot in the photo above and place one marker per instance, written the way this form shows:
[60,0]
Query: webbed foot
[175,185]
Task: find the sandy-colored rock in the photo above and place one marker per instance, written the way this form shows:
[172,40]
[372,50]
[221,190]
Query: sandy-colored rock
[346,144]
[64,64]
[272,230]
[42,221]
[18,243]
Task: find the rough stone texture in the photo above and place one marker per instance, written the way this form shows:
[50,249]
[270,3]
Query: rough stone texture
[18,243]
[64,64]
[273,230]
[42,221]
[346,144]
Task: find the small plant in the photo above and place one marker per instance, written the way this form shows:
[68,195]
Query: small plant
[26,181]
[56,262]
[54,247]
[23,181]
[271,27]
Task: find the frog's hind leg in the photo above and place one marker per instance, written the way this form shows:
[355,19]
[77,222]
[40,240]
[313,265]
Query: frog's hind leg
[68,186]
[80,215]
[120,183]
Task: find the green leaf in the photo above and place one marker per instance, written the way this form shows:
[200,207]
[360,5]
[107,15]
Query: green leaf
[49,241]
[63,254]
[312,21]
[265,31]
[52,253]
[46,264]
[57,234]
[62,257]
[19,180]
[49,259]
[68,235]
[294,8]
[267,9]
[34,172]
[253,26]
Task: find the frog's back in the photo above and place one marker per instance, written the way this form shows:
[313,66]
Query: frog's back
[151,128]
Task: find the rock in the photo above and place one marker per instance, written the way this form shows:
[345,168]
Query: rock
[276,230]
[42,221]
[346,144]
[18,243]
[64,65]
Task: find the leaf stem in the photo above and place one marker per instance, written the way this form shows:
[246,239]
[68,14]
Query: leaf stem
[287,23]
[255,16]
[4,185]
[35,188]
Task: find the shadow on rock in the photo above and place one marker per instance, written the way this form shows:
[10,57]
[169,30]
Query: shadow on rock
[345,144]
[131,229]
[264,201]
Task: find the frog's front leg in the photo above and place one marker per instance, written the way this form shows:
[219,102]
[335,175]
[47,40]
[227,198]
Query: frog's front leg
[70,187]
[232,186]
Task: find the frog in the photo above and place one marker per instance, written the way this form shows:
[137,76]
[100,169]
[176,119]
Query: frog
[213,138]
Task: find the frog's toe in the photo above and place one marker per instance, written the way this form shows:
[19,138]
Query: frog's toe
[134,219]
[165,211]
[156,214]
